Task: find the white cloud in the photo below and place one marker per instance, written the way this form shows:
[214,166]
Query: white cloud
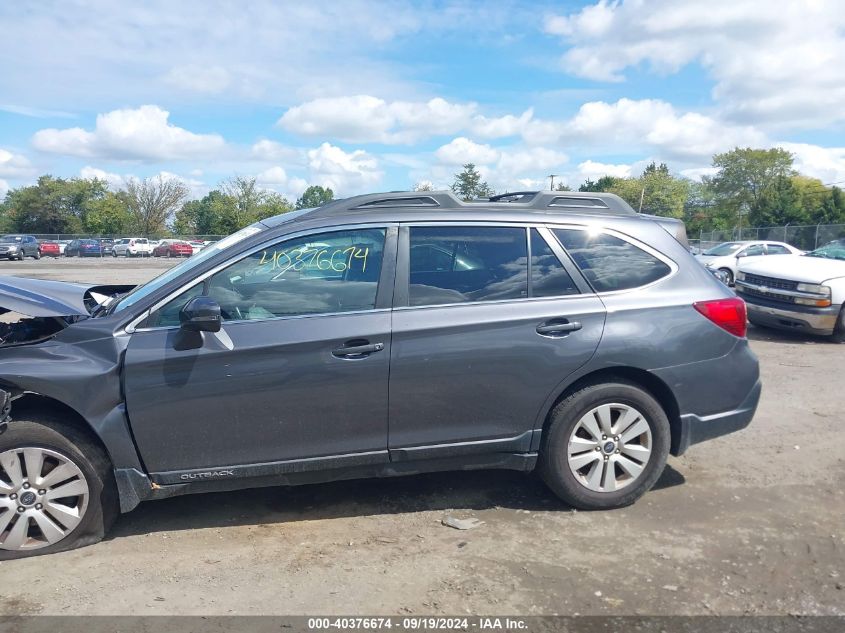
[36,113]
[271,151]
[593,170]
[142,133]
[462,150]
[364,118]
[825,163]
[773,61]
[344,172]
[4,188]
[115,181]
[14,165]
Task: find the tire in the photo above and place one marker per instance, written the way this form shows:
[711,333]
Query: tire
[37,255]
[47,436]
[113,254]
[21,256]
[839,330]
[566,421]
[730,275]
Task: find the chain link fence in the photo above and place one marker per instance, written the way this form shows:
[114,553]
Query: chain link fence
[806,237]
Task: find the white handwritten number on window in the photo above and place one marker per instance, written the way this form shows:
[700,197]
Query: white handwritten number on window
[297,259]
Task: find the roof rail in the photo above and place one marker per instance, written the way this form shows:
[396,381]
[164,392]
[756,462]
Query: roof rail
[546,201]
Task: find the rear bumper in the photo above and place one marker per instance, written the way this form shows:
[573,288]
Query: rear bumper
[714,397]
[694,428]
[820,321]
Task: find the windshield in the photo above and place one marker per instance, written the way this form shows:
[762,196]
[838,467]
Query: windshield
[10,238]
[724,249]
[192,262]
[832,250]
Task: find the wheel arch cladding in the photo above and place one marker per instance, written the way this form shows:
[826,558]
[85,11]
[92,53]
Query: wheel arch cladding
[641,378]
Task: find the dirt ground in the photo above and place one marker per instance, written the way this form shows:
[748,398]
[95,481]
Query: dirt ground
[750,523]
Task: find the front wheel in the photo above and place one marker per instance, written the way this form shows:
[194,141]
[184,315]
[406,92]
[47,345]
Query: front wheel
[729,276]
[57,491]
[37,255]
[605,446]
[839,330]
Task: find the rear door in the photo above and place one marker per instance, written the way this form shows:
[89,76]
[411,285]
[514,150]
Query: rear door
[484,330]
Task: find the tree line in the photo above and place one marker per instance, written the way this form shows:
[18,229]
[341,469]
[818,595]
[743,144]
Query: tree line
[156,206]
[748,187]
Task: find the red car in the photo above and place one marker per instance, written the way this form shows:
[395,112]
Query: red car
[51,248]
[173,248]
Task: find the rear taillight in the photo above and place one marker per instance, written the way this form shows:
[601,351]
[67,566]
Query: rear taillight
[728,314]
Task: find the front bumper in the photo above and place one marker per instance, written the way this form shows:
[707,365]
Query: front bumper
[821,321]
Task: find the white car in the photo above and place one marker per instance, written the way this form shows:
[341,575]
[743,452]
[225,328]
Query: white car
[804,293]
[132,247]
[726,256]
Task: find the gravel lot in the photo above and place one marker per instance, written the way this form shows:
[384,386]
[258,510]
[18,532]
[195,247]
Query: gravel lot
[751,523]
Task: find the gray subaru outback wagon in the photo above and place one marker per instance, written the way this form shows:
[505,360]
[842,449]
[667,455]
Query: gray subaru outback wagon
[380,335]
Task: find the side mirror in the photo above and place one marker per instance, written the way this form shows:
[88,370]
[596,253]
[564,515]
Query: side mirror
[738,255]
[200,314]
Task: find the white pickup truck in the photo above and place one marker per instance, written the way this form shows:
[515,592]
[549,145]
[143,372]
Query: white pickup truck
[804,293]
[132,247]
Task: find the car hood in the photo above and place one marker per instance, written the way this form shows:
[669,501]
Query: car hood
[42,298]
[796,268]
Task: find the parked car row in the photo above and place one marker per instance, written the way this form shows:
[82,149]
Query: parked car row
[19,246]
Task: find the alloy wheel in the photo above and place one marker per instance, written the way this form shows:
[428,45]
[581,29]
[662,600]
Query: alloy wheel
[609,447]
[43,497]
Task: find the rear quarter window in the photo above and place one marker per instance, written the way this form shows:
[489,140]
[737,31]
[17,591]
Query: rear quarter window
[610,263]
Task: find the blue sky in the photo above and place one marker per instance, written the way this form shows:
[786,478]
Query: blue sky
[365,96]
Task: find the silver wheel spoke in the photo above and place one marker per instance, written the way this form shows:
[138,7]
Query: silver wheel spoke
[12,465]
[625,421]
[629,466]
[579,461]
[65,515]
[635,430]
[70,489]
[588,423]
[604,417]
[636,451]
[5,519]
[594,477]
[57,475]
[5,488]
[609,479]
[34,460]
[18,534]
[52,532]
[578,444]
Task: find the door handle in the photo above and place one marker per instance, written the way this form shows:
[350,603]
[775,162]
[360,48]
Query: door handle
[357,349]
[560,327]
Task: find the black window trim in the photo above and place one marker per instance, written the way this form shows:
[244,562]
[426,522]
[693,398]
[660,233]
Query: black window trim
[401,293]
[384,291]
[673,266]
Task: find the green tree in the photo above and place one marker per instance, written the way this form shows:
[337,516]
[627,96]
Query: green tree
[562,187]
[108,215]
[605,183]
[469,185]
[53,205]
[314,196]
[744,174]
[152,200]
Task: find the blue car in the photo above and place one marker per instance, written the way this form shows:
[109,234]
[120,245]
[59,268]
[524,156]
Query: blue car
[84,248]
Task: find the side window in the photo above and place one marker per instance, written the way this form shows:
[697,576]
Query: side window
[610,263]
[464,264]
[756,249]
[777,249]
[548,276]
[314,274]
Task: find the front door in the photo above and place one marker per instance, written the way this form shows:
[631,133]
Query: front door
[276,383]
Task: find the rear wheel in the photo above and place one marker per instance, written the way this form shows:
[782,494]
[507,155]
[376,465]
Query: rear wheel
[57,490]
[606,445]
[37,254]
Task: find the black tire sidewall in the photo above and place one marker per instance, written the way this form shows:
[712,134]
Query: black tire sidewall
[554,467]
[102,500]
